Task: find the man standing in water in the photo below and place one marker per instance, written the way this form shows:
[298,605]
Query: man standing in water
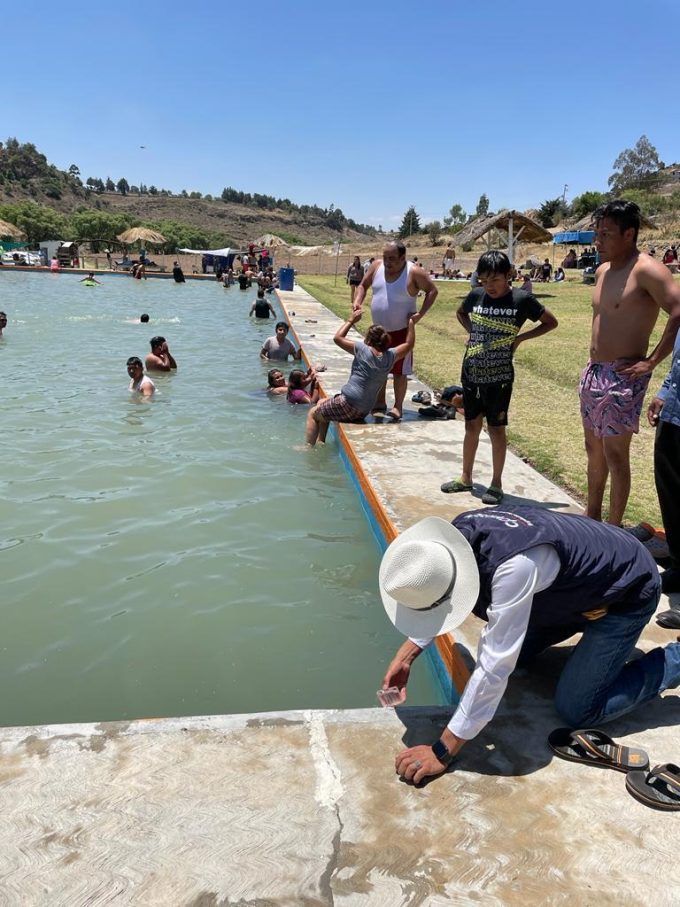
[139,382]
[630,289]
[395,284]
[160,358]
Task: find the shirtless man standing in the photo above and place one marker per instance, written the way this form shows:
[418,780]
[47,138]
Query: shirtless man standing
[630,289]
[395,284]
[449,262]
[160,358]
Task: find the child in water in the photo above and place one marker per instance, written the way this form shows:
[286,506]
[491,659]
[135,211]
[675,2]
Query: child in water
[373,360]
[299,386]
[302,387]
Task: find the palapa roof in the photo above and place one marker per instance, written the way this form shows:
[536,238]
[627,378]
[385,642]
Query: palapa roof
[141,234]
[532,232]
[270,240]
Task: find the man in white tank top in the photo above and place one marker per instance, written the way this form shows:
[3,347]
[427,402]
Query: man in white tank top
[395,284]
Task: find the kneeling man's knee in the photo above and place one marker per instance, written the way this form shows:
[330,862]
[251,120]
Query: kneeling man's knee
[575,711]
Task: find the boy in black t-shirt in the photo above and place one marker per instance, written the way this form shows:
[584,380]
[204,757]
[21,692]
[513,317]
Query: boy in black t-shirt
[492,315]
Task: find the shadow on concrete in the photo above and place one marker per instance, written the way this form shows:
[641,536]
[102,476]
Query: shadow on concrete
[510,499]
[514,743]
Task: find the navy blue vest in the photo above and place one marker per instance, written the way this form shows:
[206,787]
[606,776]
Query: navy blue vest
[602,566]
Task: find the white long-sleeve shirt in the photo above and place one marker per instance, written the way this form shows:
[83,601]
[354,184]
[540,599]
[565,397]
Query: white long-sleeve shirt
[514,585]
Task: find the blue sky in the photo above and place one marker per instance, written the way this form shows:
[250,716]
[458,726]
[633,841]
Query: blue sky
[369,106]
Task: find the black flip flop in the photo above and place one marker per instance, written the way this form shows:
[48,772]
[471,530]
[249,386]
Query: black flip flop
[659,788]
[592,747]
[437,411]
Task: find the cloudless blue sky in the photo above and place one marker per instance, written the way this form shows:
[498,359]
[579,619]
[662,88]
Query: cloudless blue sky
[371,106]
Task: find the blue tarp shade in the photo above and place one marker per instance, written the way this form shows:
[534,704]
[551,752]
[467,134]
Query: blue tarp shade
[582,237]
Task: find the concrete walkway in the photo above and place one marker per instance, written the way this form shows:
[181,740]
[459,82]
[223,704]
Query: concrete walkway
[304,808]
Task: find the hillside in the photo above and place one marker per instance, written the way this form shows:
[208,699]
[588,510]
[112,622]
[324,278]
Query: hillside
[27,176]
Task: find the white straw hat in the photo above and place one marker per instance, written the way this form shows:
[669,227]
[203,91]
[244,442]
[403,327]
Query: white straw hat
[429,579]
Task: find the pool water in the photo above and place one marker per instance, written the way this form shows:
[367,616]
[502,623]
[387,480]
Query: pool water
[180,556]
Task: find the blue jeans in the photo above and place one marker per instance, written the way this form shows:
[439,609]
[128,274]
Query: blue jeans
[598,682]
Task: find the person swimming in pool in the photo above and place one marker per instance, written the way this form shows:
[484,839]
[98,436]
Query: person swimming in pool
[3,322]
[298,380]
[302,387]
[90,279]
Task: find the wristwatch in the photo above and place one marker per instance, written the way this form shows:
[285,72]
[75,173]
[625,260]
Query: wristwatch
[441,752]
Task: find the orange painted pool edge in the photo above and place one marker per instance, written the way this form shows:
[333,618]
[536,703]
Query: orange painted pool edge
[446,644]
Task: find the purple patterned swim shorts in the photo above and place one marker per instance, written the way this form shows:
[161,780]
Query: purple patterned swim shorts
[611,403]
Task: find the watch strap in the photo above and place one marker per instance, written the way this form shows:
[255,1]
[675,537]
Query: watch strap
[441,752]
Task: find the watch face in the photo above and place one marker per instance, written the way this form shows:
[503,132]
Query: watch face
[441,752]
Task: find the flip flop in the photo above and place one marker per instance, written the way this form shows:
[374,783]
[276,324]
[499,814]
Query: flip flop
[422,397]
[394,415]
[455,486]
[492,495]
[378,412]
[592,747]
[438,411]
[670,619]
[659,789]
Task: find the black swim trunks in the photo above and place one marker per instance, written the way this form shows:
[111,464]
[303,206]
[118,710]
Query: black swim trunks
[490,400]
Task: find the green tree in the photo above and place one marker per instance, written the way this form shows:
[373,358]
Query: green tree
[434,231]
[39,222]
[123,186]
[410,224]
[92,225]
[648,202]
[635,168]
[587,202]
[482,208]
[549,212]
[456,216]
[110,185]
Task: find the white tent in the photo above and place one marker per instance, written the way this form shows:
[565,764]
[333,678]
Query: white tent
[222,252]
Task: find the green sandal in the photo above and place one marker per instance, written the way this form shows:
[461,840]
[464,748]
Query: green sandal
[455,486]
[492,495]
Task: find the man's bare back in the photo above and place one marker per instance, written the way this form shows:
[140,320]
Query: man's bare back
[624,312]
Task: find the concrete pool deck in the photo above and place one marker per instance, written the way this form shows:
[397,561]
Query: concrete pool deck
[304,808]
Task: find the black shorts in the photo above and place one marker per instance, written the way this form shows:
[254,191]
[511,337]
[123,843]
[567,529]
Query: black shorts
[490,400]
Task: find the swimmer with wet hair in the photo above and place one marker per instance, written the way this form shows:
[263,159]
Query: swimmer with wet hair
[276,382]
[144,319]
[160,358]
[139,382]
[3,322]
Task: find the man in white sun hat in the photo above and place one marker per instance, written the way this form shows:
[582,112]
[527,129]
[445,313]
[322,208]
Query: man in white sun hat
[537,578]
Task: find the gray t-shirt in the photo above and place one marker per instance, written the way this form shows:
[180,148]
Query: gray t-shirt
[278,351]
[368,375]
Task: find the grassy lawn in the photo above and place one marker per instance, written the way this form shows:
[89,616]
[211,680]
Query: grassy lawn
[545,424]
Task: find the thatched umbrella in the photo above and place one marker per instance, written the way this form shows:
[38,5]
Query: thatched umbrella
[141,234]
[8,230]
[516,224]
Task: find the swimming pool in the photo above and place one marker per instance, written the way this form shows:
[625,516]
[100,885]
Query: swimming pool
[182,556]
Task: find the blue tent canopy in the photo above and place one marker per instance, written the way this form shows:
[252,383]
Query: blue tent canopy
[581,237]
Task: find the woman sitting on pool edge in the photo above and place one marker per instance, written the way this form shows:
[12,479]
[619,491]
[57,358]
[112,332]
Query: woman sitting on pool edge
[372,363]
